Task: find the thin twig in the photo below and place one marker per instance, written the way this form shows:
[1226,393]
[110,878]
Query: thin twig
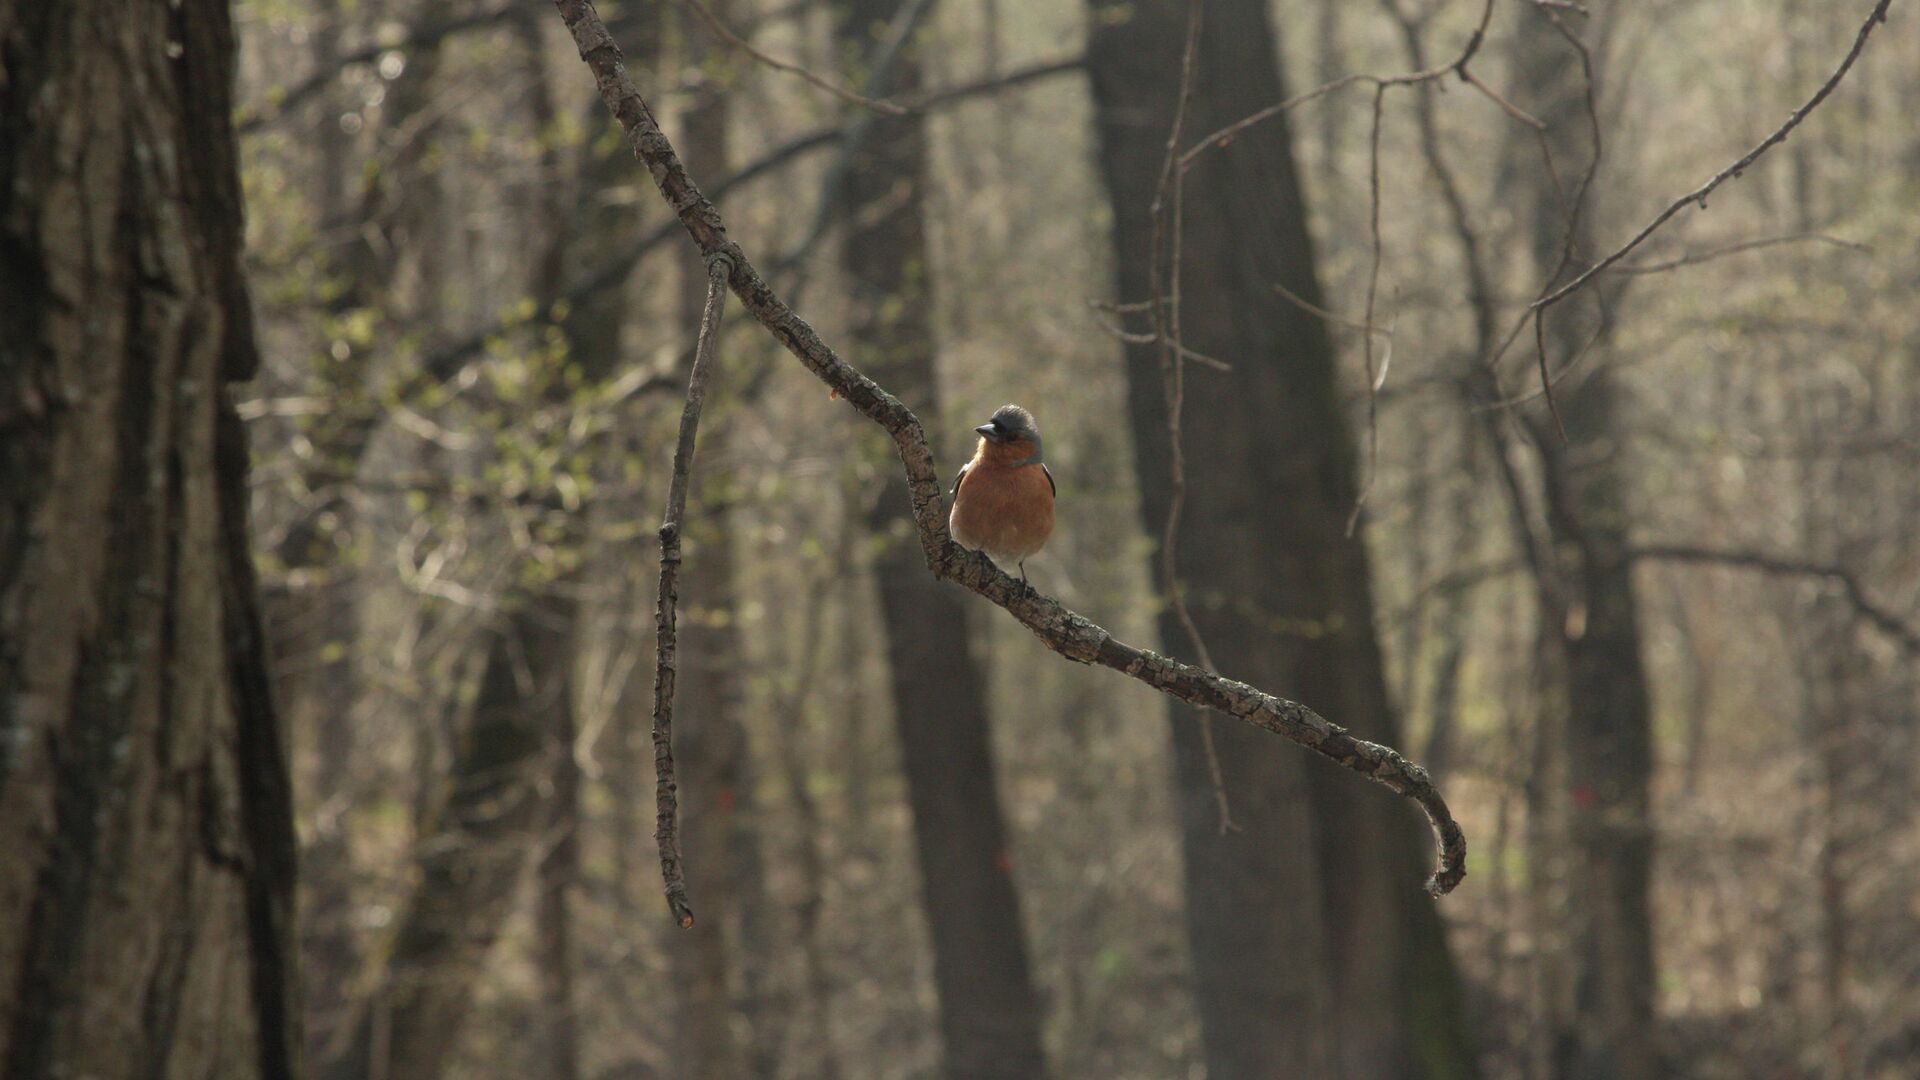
[1170,198]
[1697,257]
[1060,629]
[666,608]
[1332,318]
[417,37]
[1456,66]
[1699,195]
[443,365]
[1126,336]
[1574,206]
[1476,382]
[774,62]
[1906,635]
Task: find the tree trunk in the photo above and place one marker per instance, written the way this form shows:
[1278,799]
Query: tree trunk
[470,862]
[312,629]
[989,1015]
[1592,615]
[146,897]
[1312,955]
[559,874]
[711,740]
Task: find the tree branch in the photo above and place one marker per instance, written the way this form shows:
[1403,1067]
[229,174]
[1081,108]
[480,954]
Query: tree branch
[1908,637]
[849,96]
[666,607]
[418,37]
[1731,172]
[442,364]
[1062,630]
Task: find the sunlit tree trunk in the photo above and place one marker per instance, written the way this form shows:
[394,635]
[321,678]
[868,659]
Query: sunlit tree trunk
[146,895]
[1312,954]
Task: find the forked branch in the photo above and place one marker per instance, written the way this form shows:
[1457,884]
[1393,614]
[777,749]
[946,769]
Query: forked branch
[1698,196]
[1063,631]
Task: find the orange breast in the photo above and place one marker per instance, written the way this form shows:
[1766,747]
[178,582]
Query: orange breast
[1005,512]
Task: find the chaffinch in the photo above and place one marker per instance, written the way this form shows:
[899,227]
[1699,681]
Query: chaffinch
[1003,498]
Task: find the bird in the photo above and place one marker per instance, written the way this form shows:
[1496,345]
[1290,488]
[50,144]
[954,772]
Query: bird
[1003,498]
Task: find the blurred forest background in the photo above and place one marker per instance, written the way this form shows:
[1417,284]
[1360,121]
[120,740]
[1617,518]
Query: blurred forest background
[1663,665]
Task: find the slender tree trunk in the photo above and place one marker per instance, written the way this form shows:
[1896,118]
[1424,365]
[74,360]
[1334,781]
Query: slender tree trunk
[712,742]
[314,627]
[559,876]
[146,896]
[558,870]
[513,792]
[1452,625]
[470,862]
[719,994]
[989,1015]
[316,624]
[1311,956]
[1605,710]
[711,751]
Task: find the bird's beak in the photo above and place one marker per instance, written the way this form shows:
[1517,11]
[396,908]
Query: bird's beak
[986,432]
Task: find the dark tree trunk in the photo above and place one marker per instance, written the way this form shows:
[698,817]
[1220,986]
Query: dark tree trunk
[470,861]
[1591,612]
[559,873]
[711,749]
[989,1016]
[146,896]
[1312,953]
[1451,624]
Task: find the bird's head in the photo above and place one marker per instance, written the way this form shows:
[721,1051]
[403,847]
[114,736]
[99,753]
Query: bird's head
[1011,436]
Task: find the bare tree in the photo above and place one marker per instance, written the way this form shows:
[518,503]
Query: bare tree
[1310,955]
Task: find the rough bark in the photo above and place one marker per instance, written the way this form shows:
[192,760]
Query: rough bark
[146,896]
[989,1015]
[1311,955]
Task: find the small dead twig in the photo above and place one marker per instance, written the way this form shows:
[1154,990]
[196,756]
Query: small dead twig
[1732,172]
[1165,308]
[666,608]
[1904,634]
[849,96]
[1695,258]
[1457,66]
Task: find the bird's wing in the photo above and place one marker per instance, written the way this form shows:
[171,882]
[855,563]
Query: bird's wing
[958,478]
[1051,486]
